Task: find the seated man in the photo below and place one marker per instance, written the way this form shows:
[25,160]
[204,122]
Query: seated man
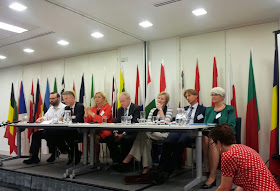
[55,111]
[175,142]
[77,114]
[125,139]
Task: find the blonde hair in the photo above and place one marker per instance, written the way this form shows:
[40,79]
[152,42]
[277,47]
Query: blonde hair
[103,96]
[166,96]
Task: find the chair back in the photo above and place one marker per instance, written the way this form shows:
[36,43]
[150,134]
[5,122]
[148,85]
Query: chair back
[238,130]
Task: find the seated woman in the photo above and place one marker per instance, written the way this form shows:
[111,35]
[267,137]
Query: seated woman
[142,145]
[100,109]
[219,113]
[240,164]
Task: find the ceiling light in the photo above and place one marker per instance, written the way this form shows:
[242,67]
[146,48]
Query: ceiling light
[62,42]
[146,24]
[17,7]
[2,57]
[11,28]
[97,35]
[199,12]
[28,50]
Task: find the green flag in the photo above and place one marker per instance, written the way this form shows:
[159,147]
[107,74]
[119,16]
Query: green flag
[55,86]
[92,92]
[252,115]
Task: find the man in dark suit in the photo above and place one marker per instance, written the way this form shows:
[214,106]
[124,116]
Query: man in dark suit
[77,114]
[175,142]
[125,139]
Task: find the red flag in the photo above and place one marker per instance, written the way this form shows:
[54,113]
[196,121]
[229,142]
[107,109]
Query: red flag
[215,76]
[137,102]
[252,115]
[162,79]
[11,132]
[197,83]
[274,165]
[31,110]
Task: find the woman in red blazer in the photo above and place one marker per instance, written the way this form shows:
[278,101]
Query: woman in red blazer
[94,114]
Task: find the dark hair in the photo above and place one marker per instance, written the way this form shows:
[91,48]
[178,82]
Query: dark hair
[223,133]
[57,94]
[68,93]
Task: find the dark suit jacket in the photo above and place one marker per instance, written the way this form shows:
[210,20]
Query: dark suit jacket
[79,112]
[199,110]
[134,111]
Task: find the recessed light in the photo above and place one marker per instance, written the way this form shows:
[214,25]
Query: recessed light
[28,50]
[97,35]
[62,42]
[11,28]
[199,12]
[2,57]
[17,7]
[146,24]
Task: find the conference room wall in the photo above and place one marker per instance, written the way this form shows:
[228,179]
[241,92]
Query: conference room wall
[7,77]
[166,50]
[239,42]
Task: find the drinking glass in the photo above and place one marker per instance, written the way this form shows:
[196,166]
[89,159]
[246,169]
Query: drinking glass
[142,115]
[123,120]
[104,119]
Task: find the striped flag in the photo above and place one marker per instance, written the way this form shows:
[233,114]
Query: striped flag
[230,88]
[10,133]
[215,76]
[38,103]
[92,92]
[150,97]
[182,87]
[274,165]
[197,80]
[74,90]
[62,88]
[31,110]
[122,87]
[47,98]
[252,115]
[162,79]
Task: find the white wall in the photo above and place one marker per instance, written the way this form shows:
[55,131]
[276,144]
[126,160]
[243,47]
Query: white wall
[177,53]
[239,42]
[167,50]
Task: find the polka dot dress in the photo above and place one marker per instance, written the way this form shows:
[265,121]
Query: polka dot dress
[247,169]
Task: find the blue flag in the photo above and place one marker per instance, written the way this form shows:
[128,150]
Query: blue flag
[47,98]
[22,106]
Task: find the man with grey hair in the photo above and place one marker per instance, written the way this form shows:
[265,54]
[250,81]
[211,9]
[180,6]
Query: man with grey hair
[121,137]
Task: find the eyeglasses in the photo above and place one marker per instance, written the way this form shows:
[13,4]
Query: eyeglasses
[215,95]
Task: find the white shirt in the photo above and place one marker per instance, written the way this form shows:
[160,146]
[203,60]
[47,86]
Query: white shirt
[193,112]
[54,111]
[127,109]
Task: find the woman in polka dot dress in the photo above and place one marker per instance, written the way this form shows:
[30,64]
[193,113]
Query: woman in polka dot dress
[240,164]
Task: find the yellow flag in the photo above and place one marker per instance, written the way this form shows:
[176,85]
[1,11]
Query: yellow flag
[121,87]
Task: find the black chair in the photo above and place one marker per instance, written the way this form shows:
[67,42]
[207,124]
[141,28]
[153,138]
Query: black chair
[238,130]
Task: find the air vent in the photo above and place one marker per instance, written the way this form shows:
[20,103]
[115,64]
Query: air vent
[166,3]
[30,38]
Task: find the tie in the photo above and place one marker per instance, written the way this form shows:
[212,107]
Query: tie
[72,111]
[189,116]
[125,112]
